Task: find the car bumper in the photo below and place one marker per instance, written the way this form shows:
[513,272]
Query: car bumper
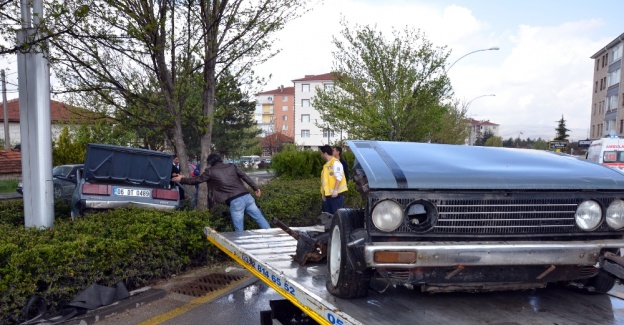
[94,204]
[427,254]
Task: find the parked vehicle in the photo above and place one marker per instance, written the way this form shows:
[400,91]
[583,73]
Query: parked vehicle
[608,151]
[250,161]
[117,177]
[465,218]
[63,179]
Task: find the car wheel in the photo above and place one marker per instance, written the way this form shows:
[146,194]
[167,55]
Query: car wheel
[602,282]
[343,281]
[58,192]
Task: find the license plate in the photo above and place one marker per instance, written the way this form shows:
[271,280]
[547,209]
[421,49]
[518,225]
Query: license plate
[131,192]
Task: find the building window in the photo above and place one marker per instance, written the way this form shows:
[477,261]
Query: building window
[305,88]
[621,126]
[270,98]
[331,134]
[284,127]
[305,103]
[616,53]
[328,86]
[594,110]
[597,64]
[284,98]
[613,78]
[285,118]
[285,108]
[596,87]
[305,133]
[305,118]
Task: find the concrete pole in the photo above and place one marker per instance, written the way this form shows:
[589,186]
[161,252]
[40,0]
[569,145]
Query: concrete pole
[7,138]
[35,129]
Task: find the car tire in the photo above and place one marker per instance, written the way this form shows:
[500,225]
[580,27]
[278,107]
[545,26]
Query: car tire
[58,192]
[343,281]
[602,282]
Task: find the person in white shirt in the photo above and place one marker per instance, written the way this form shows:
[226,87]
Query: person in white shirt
[333,182]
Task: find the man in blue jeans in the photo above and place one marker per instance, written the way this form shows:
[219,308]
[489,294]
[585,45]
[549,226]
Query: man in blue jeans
[226,183]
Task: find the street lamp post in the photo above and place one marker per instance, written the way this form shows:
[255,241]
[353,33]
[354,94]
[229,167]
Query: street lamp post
[465,55]
[468,103]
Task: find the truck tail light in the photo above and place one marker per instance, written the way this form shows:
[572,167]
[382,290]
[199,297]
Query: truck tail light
[162,194]
[96,189]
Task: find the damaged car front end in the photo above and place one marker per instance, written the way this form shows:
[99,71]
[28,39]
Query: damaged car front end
[463,218]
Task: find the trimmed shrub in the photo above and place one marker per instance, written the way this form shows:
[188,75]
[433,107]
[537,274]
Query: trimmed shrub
[130,245]
[297,164]
[297,203]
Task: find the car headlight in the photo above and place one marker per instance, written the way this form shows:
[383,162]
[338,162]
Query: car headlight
[387,215]
[615,214]
[588,215]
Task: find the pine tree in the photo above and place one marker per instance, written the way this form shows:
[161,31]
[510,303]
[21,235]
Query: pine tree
[561,129]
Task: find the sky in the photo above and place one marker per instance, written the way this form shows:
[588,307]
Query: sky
[541,73]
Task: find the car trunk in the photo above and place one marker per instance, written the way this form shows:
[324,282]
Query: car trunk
[140,167]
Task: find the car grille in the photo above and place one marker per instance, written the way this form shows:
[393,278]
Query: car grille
[502,213]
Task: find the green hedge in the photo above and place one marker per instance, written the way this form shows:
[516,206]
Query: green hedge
[135,246]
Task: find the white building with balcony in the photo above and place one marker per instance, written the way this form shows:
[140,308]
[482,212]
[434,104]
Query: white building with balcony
[311,131]
[479,128]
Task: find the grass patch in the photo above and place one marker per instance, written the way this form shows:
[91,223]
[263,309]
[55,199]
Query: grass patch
[8,185]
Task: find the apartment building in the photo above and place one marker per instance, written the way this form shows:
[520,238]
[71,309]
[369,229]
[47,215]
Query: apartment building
[480,128]
[607,94]
[310,130]
[275,111]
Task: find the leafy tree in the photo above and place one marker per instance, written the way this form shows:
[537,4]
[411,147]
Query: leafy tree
[493,141]
[484,138]
[540,144]
[67,150]
[561,130]
[453,128]
[386,89]
[141,58]
[234,128]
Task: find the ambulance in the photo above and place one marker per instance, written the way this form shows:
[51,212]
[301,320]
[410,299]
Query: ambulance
[608,151]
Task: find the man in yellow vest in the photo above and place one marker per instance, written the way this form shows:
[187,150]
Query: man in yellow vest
[333,182]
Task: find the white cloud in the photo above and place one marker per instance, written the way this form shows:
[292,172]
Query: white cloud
[539,74]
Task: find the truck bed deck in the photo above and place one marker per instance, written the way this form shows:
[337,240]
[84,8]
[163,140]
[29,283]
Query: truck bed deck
[266,253]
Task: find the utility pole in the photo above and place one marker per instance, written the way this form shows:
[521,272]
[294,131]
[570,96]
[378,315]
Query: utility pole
[34,106]
[7,139]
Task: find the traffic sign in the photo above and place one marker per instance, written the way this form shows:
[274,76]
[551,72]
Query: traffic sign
[584,143]
[558,144]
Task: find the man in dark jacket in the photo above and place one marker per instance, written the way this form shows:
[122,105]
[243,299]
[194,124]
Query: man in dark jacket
[226,183]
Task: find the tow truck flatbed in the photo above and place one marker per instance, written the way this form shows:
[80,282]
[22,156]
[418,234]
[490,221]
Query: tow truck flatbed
[267,254]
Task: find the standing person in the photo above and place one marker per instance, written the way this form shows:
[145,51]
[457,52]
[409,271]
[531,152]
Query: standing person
[333,182]
[226,183]
[338,154]
[175,171]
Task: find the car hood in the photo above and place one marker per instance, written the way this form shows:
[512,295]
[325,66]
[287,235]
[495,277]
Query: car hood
[124,164]
[409,165]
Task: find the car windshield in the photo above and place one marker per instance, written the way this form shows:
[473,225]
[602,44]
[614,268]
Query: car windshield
[62,171]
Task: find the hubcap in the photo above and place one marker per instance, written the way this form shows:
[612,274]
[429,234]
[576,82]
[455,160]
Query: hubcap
[334,256]
[57,192]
